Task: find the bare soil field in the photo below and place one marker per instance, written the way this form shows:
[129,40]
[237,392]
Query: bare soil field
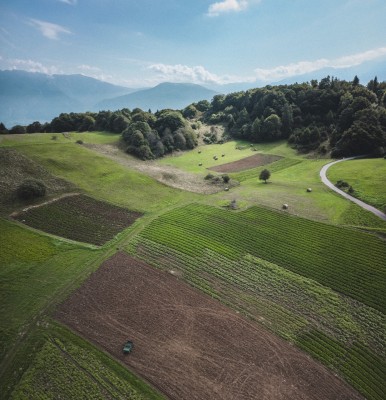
[188,345]
[78,217]
[257,160]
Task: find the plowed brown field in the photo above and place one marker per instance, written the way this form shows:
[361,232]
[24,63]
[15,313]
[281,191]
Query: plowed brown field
[254,161]
[188,345]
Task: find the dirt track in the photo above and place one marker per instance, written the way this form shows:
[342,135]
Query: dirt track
[188,345]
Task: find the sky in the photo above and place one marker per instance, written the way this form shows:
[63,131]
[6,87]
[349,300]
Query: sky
[140,43]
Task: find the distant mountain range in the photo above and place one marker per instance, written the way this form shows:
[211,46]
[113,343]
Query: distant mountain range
[164,95]
[26,97]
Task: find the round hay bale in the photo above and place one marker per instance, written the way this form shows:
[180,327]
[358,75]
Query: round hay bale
[226,189]
[285,206]
[309,190]
[200,164]
[222,155]
[199,151]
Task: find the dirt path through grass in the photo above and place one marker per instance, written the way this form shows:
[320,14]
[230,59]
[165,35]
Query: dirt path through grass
[165,174]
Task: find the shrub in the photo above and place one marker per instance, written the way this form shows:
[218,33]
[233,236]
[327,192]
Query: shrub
[79,141]
[209,176]
[31,189]
[226,178]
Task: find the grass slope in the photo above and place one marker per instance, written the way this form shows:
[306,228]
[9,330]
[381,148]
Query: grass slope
[284,283]
[105,179]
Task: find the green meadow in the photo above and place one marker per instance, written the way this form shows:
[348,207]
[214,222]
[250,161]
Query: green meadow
[366,176]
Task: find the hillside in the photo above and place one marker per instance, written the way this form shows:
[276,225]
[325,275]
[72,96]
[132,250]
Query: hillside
[165,95]
[294,296]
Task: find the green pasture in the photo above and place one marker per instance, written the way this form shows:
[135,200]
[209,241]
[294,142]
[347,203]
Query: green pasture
[366,176]
[105,179]
[233,150]
[60,138]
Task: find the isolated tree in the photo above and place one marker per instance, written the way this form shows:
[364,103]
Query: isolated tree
[264,175]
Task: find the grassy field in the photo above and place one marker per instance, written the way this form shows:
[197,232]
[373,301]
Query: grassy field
[233,151]
[367,177]
[103,178]
[59,138]
[318,285]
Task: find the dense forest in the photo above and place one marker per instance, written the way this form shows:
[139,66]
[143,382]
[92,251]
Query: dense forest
[331,116]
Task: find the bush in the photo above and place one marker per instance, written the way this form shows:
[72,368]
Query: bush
[31,189]
[226,178]
[209,176]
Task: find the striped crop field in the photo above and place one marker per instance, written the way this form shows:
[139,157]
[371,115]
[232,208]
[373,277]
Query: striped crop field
[317,285]
[348,261]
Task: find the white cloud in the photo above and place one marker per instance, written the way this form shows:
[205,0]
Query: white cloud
[197,74]
[48,29]
[216,9]
[303,67]
[183,73]
[30,66]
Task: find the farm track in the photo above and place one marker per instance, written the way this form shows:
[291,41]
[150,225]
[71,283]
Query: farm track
[327,182]
[164,174]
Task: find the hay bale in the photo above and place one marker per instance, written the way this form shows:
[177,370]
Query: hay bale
[285,206]
[200,164]
[309,190]
[226,189]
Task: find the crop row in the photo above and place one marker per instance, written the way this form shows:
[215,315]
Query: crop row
[362,369]
[270,295]
[79,218]
[348,261]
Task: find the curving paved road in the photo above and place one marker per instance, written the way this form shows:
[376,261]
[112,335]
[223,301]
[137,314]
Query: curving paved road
[360,203]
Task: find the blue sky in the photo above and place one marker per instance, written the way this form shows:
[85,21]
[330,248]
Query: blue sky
[144,42]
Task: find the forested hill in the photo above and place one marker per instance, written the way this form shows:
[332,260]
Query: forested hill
[331,116]
[345,117]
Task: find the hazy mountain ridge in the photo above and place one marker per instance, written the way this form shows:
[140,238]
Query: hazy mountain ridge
[164,95]
[26,97]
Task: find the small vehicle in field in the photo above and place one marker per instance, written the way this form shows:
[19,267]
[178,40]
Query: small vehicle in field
[128,347]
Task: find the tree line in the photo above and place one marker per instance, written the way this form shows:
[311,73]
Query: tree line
[337,116]
[145,134]
[334,115]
